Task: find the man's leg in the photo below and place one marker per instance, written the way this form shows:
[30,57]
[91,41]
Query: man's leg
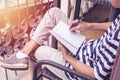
[50,19]
[41,34]
[48,53]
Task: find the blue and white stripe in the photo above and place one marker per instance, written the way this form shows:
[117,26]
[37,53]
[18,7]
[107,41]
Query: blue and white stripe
[100,54]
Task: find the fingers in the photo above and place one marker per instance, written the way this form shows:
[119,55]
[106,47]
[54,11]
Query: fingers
[61,46]
[73,22]
[81,26]
[74,28]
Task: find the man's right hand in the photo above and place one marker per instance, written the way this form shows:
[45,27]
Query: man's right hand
[82,26]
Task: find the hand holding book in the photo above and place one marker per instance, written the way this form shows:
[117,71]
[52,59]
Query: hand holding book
[64,50]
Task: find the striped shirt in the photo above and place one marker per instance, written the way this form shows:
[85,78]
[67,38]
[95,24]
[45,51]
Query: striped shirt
[100,54]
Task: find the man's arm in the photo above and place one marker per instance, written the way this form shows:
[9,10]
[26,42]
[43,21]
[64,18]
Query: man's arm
[78,66]
[99,26]
[82,26]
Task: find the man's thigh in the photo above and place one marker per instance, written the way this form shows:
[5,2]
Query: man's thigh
[48,53]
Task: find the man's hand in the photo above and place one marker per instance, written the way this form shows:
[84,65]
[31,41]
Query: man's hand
[82,26]
[65,52]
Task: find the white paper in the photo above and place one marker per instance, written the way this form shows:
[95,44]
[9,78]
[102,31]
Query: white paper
[71,40]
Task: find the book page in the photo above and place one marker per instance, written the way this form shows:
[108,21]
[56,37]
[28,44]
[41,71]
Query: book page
[71,40]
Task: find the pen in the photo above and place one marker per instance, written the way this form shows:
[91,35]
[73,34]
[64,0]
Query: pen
[75,24]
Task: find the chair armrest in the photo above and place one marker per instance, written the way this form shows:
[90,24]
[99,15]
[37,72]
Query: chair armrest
[59,66]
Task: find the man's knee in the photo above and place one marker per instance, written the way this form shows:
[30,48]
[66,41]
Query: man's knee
[42,52]
[54,9]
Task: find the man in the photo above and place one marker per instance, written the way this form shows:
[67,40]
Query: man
[95,57]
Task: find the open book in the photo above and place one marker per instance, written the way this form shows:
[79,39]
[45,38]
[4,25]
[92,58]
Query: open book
[71,40]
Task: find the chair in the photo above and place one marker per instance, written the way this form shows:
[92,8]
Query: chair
[115,75]
[49,75]
[45,72]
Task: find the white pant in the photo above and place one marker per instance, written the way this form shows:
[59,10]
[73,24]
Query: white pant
[48,53]
[41,34]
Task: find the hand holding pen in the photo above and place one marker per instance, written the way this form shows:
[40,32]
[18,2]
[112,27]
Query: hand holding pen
[75,23]
[79,25]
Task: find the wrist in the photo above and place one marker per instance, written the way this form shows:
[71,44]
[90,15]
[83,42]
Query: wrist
[89,25]
[92,25]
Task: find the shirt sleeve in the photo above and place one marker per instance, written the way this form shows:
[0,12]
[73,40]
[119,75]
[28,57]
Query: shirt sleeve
[102,70]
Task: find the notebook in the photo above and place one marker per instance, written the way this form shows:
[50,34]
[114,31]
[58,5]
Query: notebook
[71,40]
